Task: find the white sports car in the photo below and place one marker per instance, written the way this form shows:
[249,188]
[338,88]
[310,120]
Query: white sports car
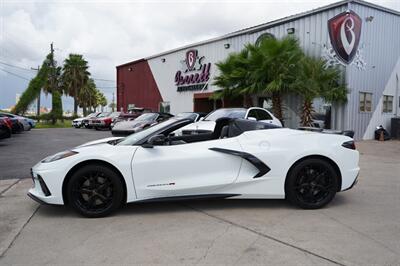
[240,159]
[207,124]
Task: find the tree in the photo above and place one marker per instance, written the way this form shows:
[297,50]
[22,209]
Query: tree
[75,77]
[87,96]
[274,64]
[314,79]
[101,99]
[33,89]
[53,85]
[234,77]
[267,67]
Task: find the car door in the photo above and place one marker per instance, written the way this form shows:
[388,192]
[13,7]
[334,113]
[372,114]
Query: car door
[185,169]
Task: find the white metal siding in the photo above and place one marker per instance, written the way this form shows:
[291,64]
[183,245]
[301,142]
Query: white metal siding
[380,43]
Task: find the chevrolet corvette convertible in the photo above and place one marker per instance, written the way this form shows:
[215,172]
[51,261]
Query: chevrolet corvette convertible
[240,159]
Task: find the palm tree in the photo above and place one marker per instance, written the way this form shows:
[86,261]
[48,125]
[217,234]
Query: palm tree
[234,78]
[75,77]
[87,95]
[314,80]
[274,64]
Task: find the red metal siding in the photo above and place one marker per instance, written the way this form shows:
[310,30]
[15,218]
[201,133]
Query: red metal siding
[136,85]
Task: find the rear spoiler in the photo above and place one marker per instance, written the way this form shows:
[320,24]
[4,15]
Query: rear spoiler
[348,133]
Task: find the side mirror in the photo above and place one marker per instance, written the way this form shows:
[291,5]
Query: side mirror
[252,118]
[201,118]
[155,140]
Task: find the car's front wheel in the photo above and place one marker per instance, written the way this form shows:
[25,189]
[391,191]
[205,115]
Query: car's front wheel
[95,191]
[311,184]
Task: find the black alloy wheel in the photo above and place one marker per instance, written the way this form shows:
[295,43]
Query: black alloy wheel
[311,184]
[95,191]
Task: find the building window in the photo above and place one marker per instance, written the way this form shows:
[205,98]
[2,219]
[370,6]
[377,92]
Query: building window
[365,102]
[387,104]
[264,36]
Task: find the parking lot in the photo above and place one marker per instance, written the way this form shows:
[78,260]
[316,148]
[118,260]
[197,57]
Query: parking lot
[20,152]
[360,227]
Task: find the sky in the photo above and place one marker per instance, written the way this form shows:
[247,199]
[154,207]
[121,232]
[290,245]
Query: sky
[110,33]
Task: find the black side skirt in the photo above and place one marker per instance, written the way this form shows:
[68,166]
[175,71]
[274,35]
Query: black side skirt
[262,167]
[190,197]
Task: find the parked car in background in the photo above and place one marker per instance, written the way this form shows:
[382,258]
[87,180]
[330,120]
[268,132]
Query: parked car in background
[5,128]
[208,123]
[16,126]
[22,120]
[85,121]
[103,120]
[79,122]
[318,120]
[194,116]
[31,122]
[144,121]
[132,114]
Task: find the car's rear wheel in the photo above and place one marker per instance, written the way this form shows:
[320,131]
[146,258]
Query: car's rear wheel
[311,184]
[95,191]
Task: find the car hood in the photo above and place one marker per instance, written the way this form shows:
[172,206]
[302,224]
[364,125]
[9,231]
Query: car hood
[99,141]
[126,125]
[78,119]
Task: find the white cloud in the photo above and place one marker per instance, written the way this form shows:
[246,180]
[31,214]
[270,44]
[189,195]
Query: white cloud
[109,33]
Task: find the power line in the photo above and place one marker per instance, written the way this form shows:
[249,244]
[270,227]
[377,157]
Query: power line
[11,73]
[10,65]
[104,80]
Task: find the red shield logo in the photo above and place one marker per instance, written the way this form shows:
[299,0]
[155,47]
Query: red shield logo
[191,57]
[345,32]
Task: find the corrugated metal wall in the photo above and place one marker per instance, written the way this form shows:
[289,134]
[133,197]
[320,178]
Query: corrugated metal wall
[380,43]
[381,49]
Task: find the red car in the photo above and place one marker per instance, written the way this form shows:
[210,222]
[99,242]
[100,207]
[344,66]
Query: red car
[5,128]
[103,120]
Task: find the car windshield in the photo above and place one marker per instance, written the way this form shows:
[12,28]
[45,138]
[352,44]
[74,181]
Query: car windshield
[92,114]
[147,117]
[231,113]
[104,114]
[134,138]
[187,115]
[115,114]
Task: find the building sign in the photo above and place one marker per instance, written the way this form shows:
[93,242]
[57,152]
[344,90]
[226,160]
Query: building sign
[195,73]
[345,32]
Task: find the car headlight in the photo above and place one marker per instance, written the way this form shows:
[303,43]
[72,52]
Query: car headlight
[59,156]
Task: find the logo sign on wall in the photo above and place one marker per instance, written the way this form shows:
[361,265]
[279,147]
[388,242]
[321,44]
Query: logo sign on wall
[345,33]
[194,74]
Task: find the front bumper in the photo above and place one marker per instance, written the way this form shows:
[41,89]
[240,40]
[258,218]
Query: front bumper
[46,187]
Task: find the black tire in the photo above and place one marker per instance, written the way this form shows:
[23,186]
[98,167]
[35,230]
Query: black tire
[96,128]
[95,191]
[311,183]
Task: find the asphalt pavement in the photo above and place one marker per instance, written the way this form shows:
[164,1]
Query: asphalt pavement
[20,152]
[360,227]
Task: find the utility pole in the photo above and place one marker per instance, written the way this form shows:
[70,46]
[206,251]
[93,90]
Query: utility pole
[113,102]
[52,83]
[40,92]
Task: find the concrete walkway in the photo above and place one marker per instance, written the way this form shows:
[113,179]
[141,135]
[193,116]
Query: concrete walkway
[360,227]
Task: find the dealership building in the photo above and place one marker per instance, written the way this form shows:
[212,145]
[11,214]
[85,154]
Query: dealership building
[360,37]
